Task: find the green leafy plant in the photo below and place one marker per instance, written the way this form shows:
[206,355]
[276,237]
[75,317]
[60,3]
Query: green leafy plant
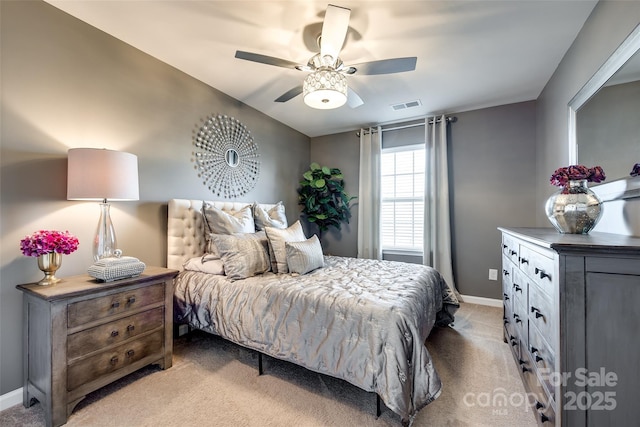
[323,199]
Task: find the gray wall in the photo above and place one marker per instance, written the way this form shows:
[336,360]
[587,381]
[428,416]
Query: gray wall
[609,24]
[492,168]
[340,151]
[66,85]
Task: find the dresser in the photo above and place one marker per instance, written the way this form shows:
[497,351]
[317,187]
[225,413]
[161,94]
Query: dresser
[81,334]
[572,321]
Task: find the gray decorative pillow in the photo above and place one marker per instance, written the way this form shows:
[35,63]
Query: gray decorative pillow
[303,257]
[274,217]
[243,255]
[277,239]
[218,221]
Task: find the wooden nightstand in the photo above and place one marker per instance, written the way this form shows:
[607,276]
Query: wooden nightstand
[81,334]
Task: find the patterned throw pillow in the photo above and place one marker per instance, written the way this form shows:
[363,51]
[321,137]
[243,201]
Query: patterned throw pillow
[243,255]
[303,257]
[277,239]
[205,264]
[218,221]
[274,217]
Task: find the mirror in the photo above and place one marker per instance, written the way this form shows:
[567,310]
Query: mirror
[604,121]
[231,157]
[226,156]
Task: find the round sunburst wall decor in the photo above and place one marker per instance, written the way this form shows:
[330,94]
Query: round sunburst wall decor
[226,156]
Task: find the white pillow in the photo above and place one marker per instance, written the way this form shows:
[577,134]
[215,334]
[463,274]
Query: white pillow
[243,255]
[277,239]
[303,257]
[274,217]
[205,264]
[228,222]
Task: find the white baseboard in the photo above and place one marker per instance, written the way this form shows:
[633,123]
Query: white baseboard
[481,300]
[10,399]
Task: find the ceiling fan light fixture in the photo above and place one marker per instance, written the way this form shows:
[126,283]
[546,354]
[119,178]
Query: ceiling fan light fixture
[325,89]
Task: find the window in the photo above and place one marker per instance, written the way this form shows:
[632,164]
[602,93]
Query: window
[402,185]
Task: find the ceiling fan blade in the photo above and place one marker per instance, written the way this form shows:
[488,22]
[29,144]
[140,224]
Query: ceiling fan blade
[384,66]
[289,94]
[334,31]
[264,59]
[353,99]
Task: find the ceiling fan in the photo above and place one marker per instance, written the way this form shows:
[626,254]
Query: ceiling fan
[326,85]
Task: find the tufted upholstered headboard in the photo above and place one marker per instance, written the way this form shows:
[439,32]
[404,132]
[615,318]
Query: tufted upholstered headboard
[185,228]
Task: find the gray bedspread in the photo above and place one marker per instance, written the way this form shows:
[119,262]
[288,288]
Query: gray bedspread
[361,320]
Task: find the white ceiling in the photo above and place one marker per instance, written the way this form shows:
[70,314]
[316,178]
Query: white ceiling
[471,54]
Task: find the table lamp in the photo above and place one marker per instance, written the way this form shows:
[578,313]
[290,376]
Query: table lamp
[106,175]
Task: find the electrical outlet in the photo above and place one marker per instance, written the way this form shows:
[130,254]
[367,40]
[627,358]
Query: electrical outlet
[183,329]
[493,274]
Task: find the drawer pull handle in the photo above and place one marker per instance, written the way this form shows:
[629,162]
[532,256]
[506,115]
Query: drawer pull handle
[506,297]
[517,288]
[543,418]
[505,272]
[539,405]
[538,358]
[130,328]
[131,300]
[504,246]
[542,274]
[524,261]
[513,252]
[525,369]
[130,353]
[537,312]
[114,360]
[115,304]
[514,343]
[533,350]
[115,333]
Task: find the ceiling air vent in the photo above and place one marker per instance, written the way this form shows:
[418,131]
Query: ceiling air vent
[405,105]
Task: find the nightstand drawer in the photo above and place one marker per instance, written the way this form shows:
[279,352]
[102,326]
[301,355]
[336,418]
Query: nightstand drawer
[103,363]
[94,339]
[82,312]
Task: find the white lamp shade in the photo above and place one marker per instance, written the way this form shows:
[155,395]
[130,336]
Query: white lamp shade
[325,89]
[99,174]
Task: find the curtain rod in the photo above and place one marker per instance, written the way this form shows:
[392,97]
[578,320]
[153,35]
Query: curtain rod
[450,119]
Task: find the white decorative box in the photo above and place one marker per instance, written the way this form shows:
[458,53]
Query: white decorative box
[116,268]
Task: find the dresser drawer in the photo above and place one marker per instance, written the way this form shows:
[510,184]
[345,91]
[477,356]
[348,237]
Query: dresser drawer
[82,312]
[94,367]
[543,358]
[540,312]
[510,248]
[94,339]
[539,266]
[543,408]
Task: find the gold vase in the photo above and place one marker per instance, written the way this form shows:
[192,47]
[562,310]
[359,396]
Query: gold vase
[49,264]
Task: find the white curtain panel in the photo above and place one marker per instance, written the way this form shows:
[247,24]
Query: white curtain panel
[437,222]
[369,194]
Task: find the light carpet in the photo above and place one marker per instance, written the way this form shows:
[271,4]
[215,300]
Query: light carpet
[215,383]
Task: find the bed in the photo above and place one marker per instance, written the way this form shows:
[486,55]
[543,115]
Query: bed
[364,321]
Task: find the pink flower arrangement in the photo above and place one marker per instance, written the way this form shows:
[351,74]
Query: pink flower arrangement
[562,176]
[44,241]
